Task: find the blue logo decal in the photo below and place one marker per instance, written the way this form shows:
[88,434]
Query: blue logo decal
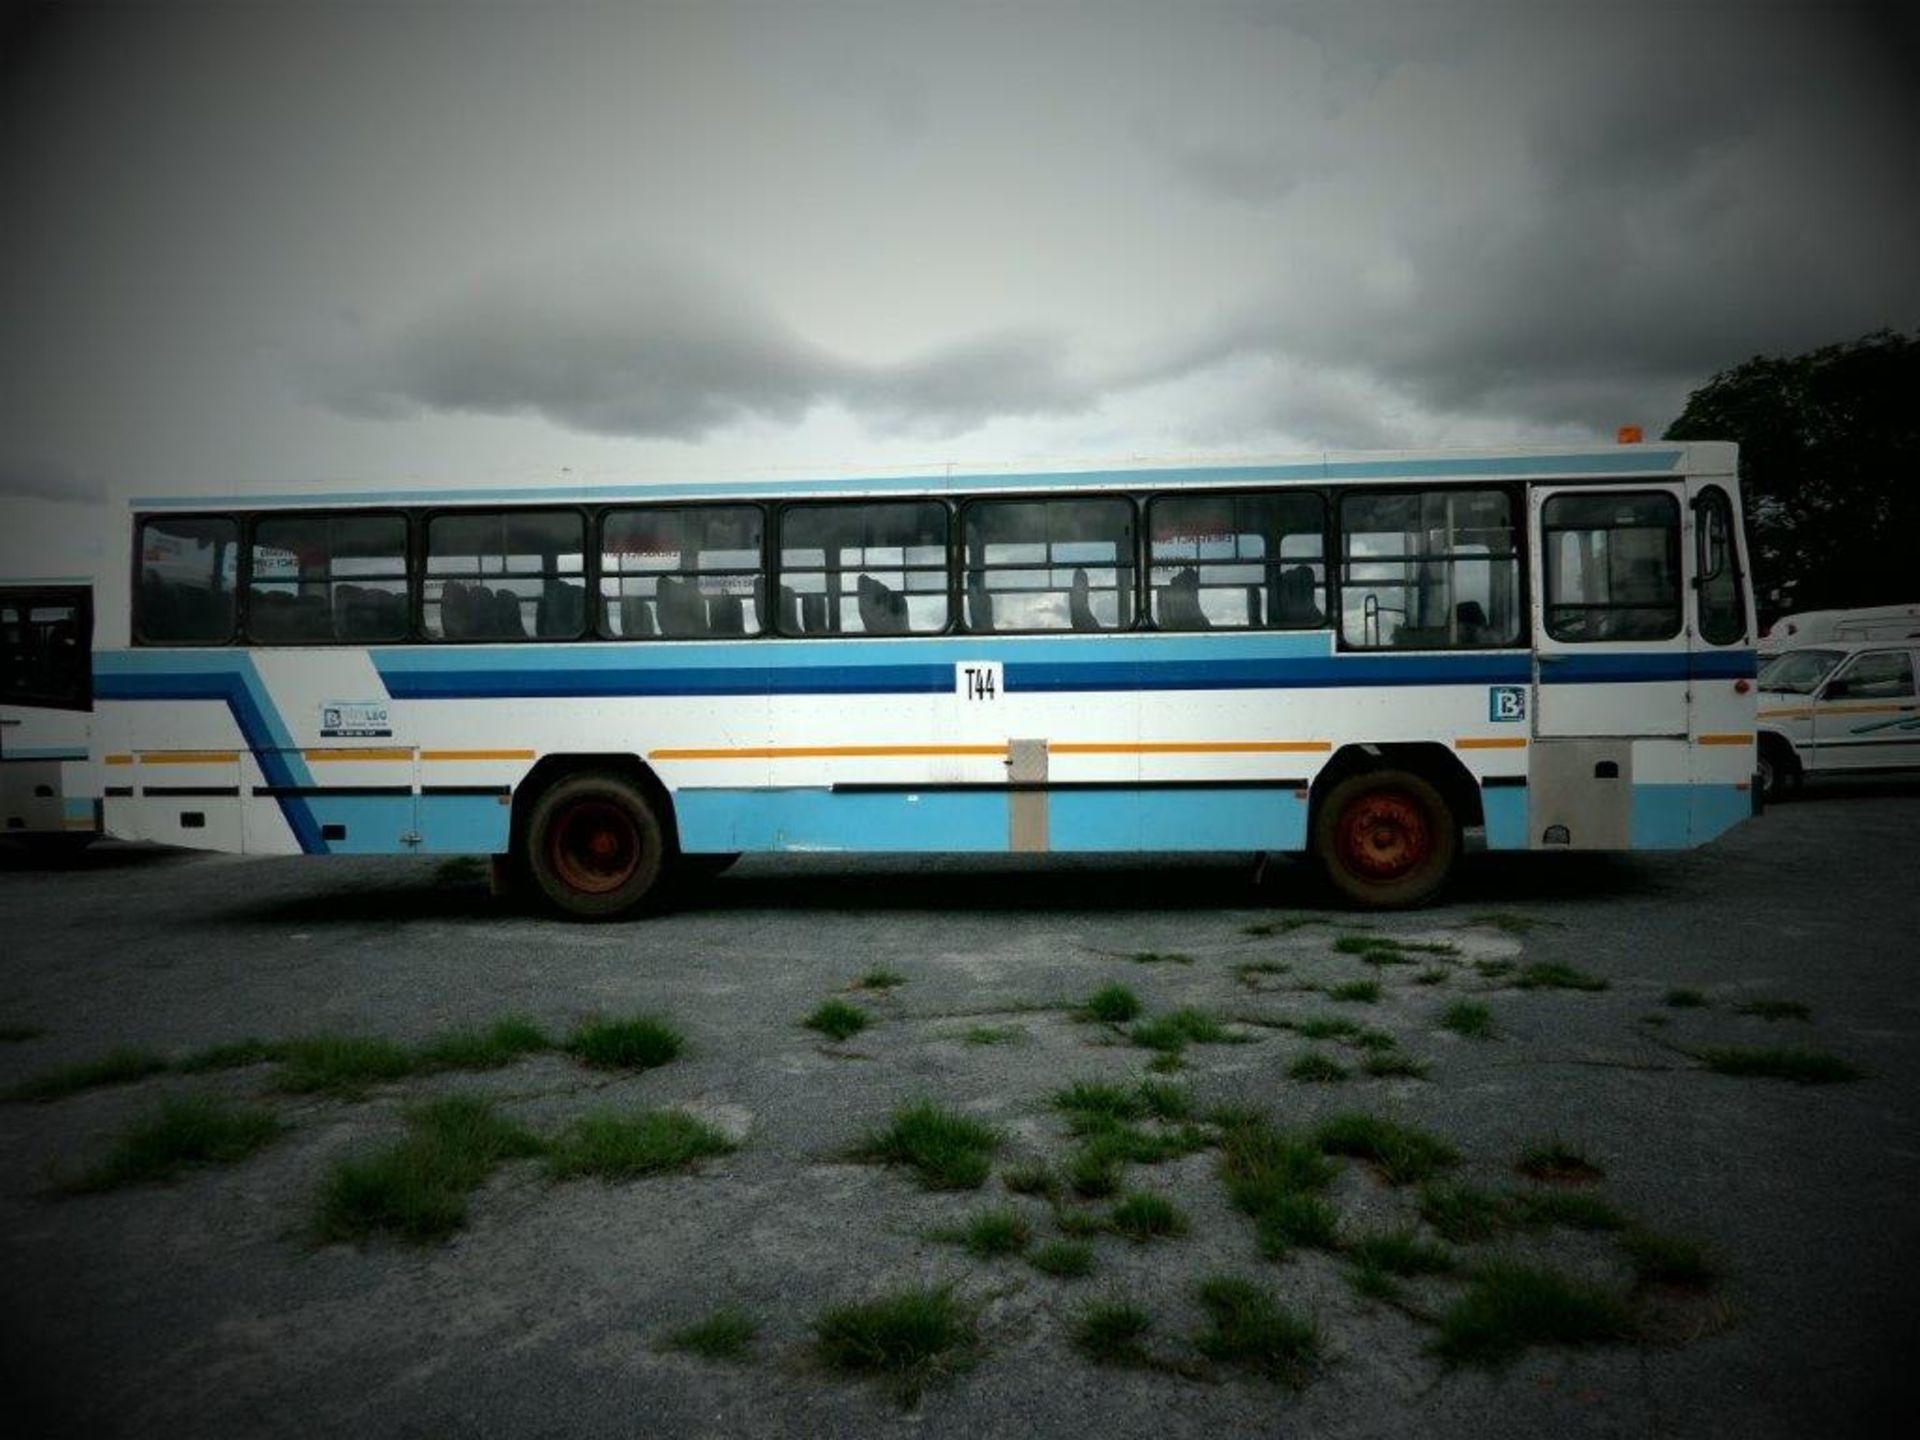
[1506,702]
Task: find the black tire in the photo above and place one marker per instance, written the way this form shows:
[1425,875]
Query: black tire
[1779,770]
[704,867]
[1385,839]
[594,847]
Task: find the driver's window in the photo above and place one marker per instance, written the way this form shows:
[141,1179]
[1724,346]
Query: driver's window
[1884,675]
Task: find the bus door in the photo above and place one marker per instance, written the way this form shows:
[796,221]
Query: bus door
[1610,653]
[46,699]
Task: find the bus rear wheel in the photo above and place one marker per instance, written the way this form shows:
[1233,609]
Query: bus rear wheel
[594,846]
[1385,839]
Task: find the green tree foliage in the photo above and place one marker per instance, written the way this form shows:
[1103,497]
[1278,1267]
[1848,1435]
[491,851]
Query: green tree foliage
[1830,466]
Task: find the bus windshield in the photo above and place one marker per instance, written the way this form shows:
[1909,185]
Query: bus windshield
[1798,672]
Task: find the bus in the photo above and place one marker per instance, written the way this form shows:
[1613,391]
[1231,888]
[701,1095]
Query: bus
[1376,660]
[49,791]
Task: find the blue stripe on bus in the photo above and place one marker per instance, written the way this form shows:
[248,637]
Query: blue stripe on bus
[1627,460]
[1578,668]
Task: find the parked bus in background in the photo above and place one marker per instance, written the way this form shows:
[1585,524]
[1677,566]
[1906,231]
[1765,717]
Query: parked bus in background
[49,793]
[1370,659]
[1815,627]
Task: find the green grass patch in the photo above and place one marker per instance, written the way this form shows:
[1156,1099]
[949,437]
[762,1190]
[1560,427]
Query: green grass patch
[1802,1067]
[994,1035]
[1094,1173]
[1166,1101]
[641,1042]
[837,1020]
[1464,1214]
[1143,1216]
[908,1339]
[1493,969]
[1469,1019]
[1775,1009]
[499,1045]
[1090,1102]
[1295,1220]
[1372,1040]
[1112,1005]
[882,980]
[948,1151]
[990,1234]
[615,1147]
[1171,1033]
[1247,1328]
[1325,1027]
[341,1065]
[417,1189]
[1401,1154]
[1251,972]
[1317,1067]
[1259,1161]
[117,1067]
[1391,1065]
[1034,1179]
[1552,975]
[1361,944]
[1683,997]
[1167,1062]
[1358,992]
[1509,1307]
[1160,957]
[1432,975]
[1555,1160]
[1260,929]
[232,1055]
[1113,1332]
[1079,1224]
[1063,1259]
[726,1334]
[1672,1260]
[183,1133]
[1401,1252]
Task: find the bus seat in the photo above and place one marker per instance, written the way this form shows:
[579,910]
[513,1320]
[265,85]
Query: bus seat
[1254,621]
[1080,603]
[979,602]
[789,610]
[726,615]
[813,609]
[881,611]
[509,623]
[1180,603]
[681,610]
[1470,623]
[562,609]
[1297,597]
[636,617]
[456,611]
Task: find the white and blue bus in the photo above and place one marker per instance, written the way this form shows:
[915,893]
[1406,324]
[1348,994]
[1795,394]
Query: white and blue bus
[49,784]
[1368,659]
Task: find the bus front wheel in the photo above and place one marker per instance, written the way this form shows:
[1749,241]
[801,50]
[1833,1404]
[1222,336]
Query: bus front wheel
[594,846]
[1385,839]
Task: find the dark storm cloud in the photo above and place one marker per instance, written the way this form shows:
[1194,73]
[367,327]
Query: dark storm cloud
[663,352]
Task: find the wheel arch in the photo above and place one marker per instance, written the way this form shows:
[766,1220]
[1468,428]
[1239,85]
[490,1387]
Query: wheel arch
[549,770]
[1431,761]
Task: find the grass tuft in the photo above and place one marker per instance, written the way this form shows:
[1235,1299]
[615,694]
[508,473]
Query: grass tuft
[990,1234]
[1463,1214]
[182,1133]
[1469,1019]
[1775,1009]
[1552,975]
[1510,1306]
[417,1189]
[1165,1100]
[1493,969]
[1683,997]
[909,1338]
[1143,1216]
[1401,1252]
[1802,1067]
[1247,1328]
[994,1035]
[1317,1067]
[1401,1153]
[948,1151]
[1090,1102]
[1171,1033]
[1112,1005]
[340,1065]
[1325,1027]
[1160,957]
[1063,1259]
[1034,1179]
[234,1055]
[1249,974]
[1555,1160]
[882,980]
[724,1335]
[625,1147]
[1432,975]
[1358,992]
[499,1045]
[1295,1220]
[1111,1332]
[116,1067]
[642,1042]
[837,1020]
[1673,1260]
[1392,1065]
[1094,1173]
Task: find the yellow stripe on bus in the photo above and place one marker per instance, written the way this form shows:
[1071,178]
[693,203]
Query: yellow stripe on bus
[189,757]
[1726,739]
[476,754]
[1195,747]
[1500,742]
[344,753]
[119,759]
[826,752]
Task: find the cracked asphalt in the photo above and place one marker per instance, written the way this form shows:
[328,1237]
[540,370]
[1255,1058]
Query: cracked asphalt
[201,1307]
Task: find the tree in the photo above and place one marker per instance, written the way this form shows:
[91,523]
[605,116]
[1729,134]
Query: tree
[1830,467]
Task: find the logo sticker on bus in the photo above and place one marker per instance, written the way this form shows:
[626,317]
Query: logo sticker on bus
[355,720]
[1506,702]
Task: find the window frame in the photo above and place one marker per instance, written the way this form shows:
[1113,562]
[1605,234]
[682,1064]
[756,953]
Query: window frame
[1328,565]
[1677,552]
[596,612]
[250,522]
[1844,672]
[776,541]
[1716,495]
[957,559]
[1516,497]
[80,598]
[135,611]
[418,579]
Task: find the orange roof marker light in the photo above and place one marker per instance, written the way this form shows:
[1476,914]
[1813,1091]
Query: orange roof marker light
[1628,435]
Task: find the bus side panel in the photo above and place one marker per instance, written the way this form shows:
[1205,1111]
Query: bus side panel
[955,821]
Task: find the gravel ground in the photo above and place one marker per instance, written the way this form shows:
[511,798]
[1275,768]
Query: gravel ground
[204,1306]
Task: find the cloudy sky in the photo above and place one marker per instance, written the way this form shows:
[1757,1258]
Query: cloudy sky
[254,246]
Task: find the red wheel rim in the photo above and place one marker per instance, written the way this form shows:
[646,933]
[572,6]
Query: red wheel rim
[1384,836]
[595,846]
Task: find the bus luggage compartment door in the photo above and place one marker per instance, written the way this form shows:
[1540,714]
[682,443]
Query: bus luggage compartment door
[1580,794]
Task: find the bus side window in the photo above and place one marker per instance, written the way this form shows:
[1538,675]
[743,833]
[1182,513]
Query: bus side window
[1429,570]
[1237,562]
[1049,564]
[1612,566]
[682,572]
[858,568]
[505,575]
[1723,618]
[185,590]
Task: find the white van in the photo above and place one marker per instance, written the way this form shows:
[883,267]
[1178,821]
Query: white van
[1814,627]
[1845,706]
